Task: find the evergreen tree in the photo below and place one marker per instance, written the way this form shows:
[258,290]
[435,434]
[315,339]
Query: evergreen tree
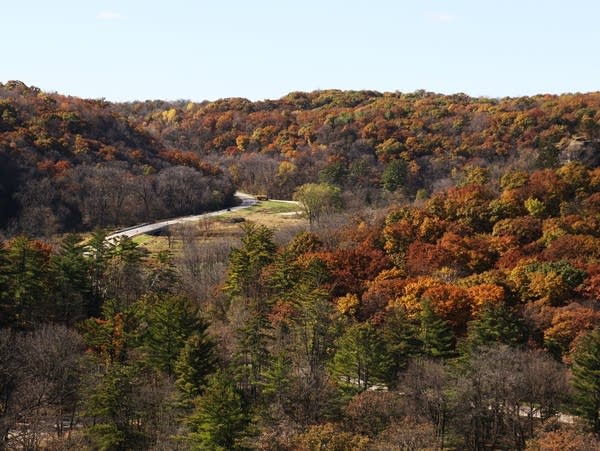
[166,323]
[586,378]
[284,274]
[72,286]
[251,354]
[220,419]
[401,335]
[99,252]
[436,336]
[312,329]
[276,377]
[247,262]
[394,175]
[110,335]
[249,304]
[115,268]
[495,323]
[361,358]
[27,293]
[115,408]
[195,363]
[124,273]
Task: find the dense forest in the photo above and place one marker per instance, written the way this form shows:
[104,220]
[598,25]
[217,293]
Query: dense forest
[130,158]
[448,299]
[69,164]
[361,140]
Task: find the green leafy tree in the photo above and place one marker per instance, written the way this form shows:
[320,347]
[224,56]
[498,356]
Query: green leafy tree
[220,420]
[514,179]
[535,207]
[475,175]
[434,333]
[553,282]
[586,378]
[388,149]
[317,199]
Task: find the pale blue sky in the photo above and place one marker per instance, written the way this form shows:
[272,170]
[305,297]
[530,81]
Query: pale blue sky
[176,49]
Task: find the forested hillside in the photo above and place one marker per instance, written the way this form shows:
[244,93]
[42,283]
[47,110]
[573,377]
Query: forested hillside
[453,304]
[370,144]
[73,164]
[364,140]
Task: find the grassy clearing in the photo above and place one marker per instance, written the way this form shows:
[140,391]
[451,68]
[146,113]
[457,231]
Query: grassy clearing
[278,216]
[274,207]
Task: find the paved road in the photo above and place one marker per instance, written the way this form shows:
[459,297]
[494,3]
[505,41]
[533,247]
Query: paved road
[247,201]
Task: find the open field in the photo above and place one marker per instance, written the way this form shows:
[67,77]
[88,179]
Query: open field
[279,216]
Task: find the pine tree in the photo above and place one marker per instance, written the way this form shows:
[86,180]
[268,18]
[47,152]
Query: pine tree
[276,377]
[247,262]
[167,322]
[220,419]
[251,355]
[401,335]
[436,336]
[98,251]
[495,323]
[124,276]
[115,408]
[27,269]
[249,304]
[586,378]
[72,286]
[195,363]
[394,175]
[110,335]
[312,325]
[361,358]
[284,275]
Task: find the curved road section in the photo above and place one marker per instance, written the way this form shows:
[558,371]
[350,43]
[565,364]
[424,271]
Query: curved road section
[247,201]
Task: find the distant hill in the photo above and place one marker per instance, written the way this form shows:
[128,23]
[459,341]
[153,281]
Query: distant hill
[350,138]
